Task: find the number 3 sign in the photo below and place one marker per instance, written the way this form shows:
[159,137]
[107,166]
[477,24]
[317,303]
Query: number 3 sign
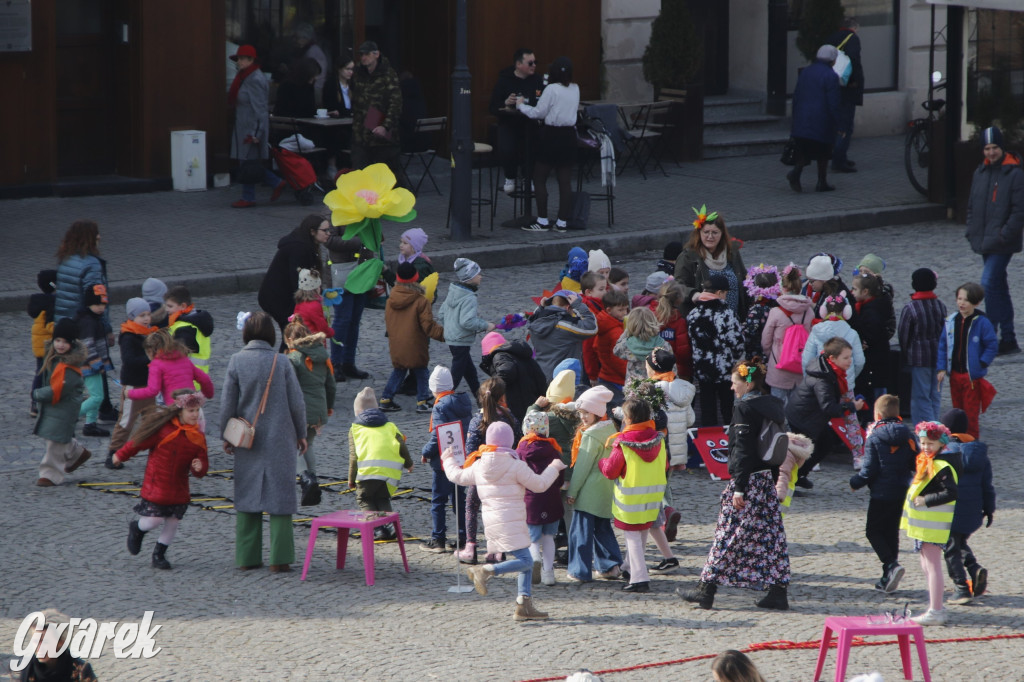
[450,436]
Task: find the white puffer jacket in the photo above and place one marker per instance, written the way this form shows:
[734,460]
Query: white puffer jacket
[501,480]
[679,398]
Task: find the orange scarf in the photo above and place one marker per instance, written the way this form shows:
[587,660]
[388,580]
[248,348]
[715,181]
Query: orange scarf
[925,467]
[191,432]
[133,327]
[57,379]
[664,376]
[532,436]
[640,426]
[173,317]
[475,455]
[578,438]
[437,399]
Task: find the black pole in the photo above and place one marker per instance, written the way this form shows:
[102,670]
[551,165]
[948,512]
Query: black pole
[954,96]
[778,23]
[462,136]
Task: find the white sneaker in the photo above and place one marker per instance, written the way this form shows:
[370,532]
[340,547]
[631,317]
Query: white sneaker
[547,577]
[509,186]
[931,617]
[817,467]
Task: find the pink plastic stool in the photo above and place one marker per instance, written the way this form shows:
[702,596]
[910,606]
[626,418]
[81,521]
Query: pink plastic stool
[362,521]
[848,627]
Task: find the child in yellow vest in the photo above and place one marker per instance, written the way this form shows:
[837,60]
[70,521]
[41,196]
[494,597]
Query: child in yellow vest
[928,511]
[376,456]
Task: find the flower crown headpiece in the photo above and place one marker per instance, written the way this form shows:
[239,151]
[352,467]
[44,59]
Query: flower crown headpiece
[790,268]
[933,431]
[755,291]
[188,400]
[703,216]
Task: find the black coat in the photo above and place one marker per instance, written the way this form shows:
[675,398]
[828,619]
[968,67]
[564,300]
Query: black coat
[134,361]
[523,377]
[744,433]
[816,401]
[853,91]
[277,291]
[872,325]
[334,100]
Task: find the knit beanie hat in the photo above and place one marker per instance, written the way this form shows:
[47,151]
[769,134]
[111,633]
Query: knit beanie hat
[661,360]
[562,387]
[992,135]
[718,282]
[955,420]
[466,269]
[672,250]
[417,239]
[537,422]
[95,295]
[923,279]
[309,280]
[66,328]
[490,342]
[135,306]
[572,364]
[873,263]
[440,380]
[597,260]
[153,290]
[365,400]
[594,400]
[655,280]
[47,281]
[406,272]
[499,433]
[575,264]
[820,268]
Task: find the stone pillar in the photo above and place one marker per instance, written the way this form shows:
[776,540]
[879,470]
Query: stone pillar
[625,31]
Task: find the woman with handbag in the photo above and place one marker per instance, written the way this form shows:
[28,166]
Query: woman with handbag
[248,96]
[263,419]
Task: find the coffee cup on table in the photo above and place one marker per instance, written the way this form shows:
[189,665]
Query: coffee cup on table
[321,113]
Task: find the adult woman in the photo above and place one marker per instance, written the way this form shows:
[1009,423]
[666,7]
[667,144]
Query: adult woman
[750,543]
[337,98]
[298,249]
[815,115]
[710,250]
[556,149]
[265,473]
[349,313]
[248,97]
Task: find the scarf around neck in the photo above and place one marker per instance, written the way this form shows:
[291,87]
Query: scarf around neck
[191,432]
[533,436]
[716,262]
[475,455]
[437,399]
[578,438]
[844,386]
[173,317]
[922,295]
[133,327]
[237,84]
[57,379]
[925,467]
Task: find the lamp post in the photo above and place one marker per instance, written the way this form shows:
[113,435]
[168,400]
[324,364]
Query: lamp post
[462,136]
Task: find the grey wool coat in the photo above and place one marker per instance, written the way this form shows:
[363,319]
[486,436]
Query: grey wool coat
[252,117]
[265,474]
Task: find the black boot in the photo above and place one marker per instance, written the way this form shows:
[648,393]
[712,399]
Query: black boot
[775,599]
[354,372]
[703,595]
[311,493]
[135,535]
[158,557]
[110,465]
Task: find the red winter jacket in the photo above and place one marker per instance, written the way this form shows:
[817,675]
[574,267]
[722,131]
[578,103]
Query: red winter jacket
[312,313]
[166,480]
[678,339]
[591,360]
[613,368]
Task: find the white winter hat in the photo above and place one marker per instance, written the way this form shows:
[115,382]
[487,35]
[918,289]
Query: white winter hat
[820,268]
[597,260]
[594,400]
[440,380]
[309,280]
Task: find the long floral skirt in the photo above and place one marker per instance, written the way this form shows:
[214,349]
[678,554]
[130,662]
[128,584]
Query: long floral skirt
[750,544]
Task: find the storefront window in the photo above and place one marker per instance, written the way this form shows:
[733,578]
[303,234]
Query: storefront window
[995,68]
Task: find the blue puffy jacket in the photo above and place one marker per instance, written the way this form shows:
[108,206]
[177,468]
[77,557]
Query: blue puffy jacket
[74,275]
[976,496]
[451,408]
[982,345]
[816,103]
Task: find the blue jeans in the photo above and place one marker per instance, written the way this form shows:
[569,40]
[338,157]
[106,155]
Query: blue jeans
[443,491]
[523,563]
[844,124]
[590,535]
[398,376]
[925,399]
[346,328]
[539,529]
[269,179]
[463,368]
[998,305]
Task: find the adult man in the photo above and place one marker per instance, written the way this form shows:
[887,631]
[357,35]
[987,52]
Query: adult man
[515,130]
[815,109]
[851,95]
[995,220]
[376,112]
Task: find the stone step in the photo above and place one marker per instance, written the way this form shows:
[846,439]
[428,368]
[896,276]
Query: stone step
[719,144]
[728,106]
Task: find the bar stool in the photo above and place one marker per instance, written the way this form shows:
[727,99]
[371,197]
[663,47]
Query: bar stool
[482,159]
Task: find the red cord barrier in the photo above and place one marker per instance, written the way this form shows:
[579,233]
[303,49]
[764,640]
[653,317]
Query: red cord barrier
[781,645]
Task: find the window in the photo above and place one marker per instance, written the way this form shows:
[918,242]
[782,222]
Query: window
[995,68]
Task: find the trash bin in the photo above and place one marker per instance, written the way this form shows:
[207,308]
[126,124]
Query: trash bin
[188,160]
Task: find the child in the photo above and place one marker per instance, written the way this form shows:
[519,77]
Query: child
[190,326]
[823,277]
[503,480]
[679,395]
[410,325]
[763,287]
[376,456]
[966,348]
[637,463]
[513,363]
[619,279]
[449,406]
[93,333]
[40,309]
[649,294]
[976,499]
[410,250]
[571,276]
[717,342]
[590,493]
[887,469]
[873,311]
[921,323]
[59,398]
[667,264]
[170,370]
[312,363]
[544,509]
[794,308]
[177,446]
[134,371]
[612,368]
[558,327]
[492,409]
[673,326]
[459,317]
[928,511]
[835,310]
[800,448]
[153,291]
[734,666]
[640,336]
[309,305]
[593,287]
[598,262]
[873,265]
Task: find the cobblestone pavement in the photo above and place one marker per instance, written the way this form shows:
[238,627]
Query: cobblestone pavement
[64,546]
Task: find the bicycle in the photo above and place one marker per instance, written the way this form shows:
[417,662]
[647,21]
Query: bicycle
[917,149]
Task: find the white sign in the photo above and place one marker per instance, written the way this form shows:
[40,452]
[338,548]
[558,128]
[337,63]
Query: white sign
[16,26]
[450,436]
[84,637]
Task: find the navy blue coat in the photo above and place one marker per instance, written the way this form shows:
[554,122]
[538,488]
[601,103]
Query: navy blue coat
[976,496]
[889,461]
[456,407]
[816,103]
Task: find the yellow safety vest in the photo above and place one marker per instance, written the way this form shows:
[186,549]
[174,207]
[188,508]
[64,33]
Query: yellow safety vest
[200,359]
[379,454]
[928,524]
[790,487]
[638,496]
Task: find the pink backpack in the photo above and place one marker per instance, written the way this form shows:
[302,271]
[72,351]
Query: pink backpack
[793,342]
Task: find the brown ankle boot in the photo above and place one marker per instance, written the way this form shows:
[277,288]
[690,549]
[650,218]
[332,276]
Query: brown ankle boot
[526,611]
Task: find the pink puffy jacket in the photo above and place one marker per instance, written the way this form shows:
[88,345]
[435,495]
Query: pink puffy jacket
[169,373]
[501,480]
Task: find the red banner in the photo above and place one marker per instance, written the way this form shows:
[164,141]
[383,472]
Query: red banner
[712,444]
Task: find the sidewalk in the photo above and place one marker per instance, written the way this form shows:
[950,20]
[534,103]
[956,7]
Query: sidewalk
[197,237]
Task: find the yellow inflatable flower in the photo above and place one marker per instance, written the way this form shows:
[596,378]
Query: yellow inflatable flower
[369,193]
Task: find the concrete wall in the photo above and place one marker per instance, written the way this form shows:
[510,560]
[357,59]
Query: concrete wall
[625,32]
[748,26]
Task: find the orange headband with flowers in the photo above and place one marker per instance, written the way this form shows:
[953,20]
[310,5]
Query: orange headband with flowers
[703,217]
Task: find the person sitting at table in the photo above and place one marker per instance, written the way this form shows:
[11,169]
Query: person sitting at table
[514,132]
[295,96]
[338,102]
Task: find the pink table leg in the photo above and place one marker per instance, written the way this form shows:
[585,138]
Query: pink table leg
[309,547]
[342,548]
[401,542]
[842,654]
[905,656]
[922,656]
[826,637]
[367,535]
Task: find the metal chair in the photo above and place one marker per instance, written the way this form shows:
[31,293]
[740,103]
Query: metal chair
[434,127]
[640,135]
